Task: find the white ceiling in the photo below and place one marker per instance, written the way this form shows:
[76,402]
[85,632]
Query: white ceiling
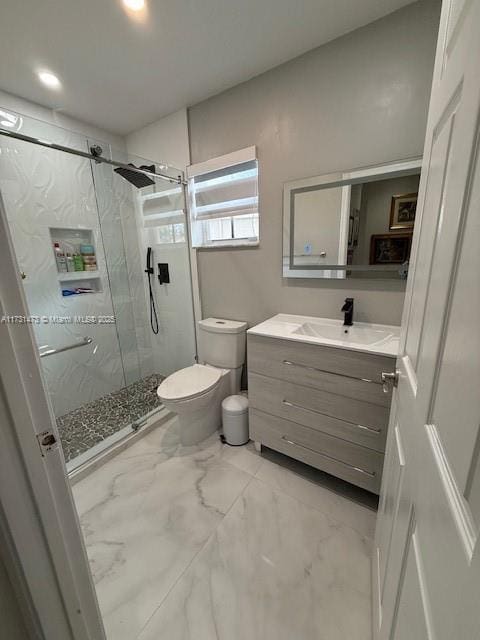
[120,74]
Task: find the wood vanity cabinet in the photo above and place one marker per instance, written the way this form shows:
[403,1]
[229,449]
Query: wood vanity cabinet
[322,405]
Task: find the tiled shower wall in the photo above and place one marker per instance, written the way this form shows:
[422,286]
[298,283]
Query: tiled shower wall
[43,188]
[174,347]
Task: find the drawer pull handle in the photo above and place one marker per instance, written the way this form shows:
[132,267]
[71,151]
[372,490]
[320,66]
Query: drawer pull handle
[370,474]
[320,413]
[342,375]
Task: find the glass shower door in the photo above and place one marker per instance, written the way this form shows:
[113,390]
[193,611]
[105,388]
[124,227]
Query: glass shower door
[161,223]
[81,232]
[74,285]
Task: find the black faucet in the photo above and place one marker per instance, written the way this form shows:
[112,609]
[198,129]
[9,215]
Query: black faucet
[348,310]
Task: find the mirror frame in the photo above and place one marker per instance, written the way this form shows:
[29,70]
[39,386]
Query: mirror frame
[395,169]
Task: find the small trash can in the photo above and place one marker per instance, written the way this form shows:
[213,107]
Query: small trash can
[235,420]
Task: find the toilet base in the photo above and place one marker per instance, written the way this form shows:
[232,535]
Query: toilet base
[198,426]
[201,416]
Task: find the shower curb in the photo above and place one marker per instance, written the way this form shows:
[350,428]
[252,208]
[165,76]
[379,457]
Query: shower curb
[122,439]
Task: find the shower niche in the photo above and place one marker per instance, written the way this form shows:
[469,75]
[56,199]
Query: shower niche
[75,255]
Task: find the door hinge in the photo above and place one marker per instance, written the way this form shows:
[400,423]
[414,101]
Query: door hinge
[47,442]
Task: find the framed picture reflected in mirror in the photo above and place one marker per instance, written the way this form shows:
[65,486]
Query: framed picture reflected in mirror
[390,248]
[402,211]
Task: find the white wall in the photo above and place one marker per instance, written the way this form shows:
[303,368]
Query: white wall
[164,141]
[174,347]
[359,100]
[33,110]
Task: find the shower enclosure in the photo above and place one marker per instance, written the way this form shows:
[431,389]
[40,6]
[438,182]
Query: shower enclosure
[80,230]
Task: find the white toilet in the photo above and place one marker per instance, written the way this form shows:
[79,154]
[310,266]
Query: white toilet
[195,393]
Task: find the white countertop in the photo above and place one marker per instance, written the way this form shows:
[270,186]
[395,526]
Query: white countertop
[361,336]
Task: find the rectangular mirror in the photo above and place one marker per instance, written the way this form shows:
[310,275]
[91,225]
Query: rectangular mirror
[355,224]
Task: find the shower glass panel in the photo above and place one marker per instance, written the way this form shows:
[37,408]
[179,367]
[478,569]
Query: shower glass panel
[90,293]
[161,223]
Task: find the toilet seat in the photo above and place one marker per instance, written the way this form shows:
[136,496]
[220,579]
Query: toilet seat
[188,383]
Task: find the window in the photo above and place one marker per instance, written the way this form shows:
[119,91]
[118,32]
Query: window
[163,215]
[167,233]
[224,200]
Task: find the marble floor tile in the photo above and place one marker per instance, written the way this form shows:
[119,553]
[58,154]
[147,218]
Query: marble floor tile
[273,569]
[244,457]
[339,500]
[213,542]
[145,515]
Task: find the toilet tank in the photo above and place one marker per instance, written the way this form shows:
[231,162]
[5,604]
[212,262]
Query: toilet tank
[221,343]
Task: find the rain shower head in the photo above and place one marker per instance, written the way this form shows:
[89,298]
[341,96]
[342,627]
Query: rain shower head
[138,180]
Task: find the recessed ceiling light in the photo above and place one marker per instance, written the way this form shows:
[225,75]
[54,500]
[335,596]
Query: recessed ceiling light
[134,5]
[49,79]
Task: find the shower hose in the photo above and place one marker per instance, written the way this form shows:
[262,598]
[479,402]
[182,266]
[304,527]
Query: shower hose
[153,311]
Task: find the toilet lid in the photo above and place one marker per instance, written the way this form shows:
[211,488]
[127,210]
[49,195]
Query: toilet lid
[189,382]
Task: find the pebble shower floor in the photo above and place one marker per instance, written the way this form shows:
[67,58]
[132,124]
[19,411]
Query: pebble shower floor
[86,426]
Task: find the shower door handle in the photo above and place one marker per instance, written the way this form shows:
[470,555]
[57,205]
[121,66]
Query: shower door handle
[50,352]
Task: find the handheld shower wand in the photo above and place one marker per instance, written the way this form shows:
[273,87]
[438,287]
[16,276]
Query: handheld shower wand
[153,311]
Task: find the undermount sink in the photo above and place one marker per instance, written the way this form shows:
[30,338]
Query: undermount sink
[361,336]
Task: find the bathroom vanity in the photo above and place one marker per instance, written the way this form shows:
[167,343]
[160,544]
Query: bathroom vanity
[316,393]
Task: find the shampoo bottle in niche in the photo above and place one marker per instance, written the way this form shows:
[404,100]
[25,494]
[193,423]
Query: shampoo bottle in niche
[88,256]
[68,249]
[60,258]
[78,260]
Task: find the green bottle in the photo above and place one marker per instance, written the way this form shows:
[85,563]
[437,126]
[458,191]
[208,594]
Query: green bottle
[78,262]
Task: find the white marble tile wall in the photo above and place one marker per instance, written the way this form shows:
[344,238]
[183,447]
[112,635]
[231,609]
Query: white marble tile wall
[219,542]
[174,347]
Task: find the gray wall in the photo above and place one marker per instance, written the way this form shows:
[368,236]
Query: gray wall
[359,100]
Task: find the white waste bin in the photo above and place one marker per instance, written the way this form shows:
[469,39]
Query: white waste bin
[235,420]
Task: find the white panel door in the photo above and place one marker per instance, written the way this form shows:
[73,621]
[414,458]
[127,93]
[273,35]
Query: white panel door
[426,564]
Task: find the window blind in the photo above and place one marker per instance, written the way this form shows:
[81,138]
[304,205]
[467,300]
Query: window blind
[224,200]
[163,216]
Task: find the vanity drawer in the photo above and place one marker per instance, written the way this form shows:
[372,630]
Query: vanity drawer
[349,373]
[351,462]
[321,411]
